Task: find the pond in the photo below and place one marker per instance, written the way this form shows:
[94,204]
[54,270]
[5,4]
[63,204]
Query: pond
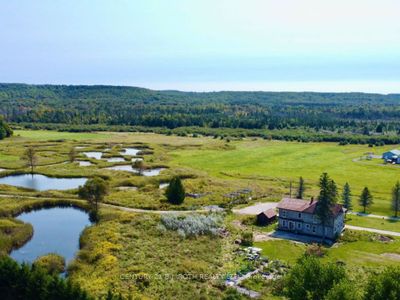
[55,230]
[83,163]
[115,159]
[41,182]
[163,185]
[129,168]
[93,154]
[130,151]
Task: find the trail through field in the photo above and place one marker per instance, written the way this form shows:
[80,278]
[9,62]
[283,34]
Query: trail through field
[123,208]
[374,216]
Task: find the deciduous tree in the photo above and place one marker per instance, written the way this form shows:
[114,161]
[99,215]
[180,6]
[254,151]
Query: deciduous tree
[30,158]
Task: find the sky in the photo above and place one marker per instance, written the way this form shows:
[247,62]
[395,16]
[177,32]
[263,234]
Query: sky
[204,45]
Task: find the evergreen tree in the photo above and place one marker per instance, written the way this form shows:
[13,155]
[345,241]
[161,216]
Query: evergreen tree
[300,189]
[346,197]
[396,198]
[175,191]
[366,199]
[326,199]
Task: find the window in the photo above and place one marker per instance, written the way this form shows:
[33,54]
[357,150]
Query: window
[284,223]
[299,215]
[314,229]
[308,227]
[298,225]
[284,213]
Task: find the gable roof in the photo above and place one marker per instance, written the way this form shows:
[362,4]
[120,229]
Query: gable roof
[394,151]
[306,206]
[270,213]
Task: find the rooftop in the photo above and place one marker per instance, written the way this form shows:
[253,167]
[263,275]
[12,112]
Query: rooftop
[306,206]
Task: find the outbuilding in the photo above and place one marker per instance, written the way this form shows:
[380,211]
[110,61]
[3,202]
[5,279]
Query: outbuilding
[266,217]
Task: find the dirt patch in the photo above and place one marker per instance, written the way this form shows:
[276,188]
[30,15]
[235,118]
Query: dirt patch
[393,256]
[385,239]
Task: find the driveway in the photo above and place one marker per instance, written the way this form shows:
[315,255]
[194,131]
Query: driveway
[256,208]
[384,232]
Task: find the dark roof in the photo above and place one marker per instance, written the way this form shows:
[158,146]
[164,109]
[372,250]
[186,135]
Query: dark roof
[306,206]
[270,213]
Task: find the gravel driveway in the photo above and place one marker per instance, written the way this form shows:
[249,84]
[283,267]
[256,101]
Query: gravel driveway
[256,208]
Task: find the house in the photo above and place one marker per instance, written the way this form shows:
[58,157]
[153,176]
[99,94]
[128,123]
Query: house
[392,156]
[266,217]
[299,216]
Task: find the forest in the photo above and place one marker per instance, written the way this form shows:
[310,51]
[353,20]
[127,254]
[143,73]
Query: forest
[372,118]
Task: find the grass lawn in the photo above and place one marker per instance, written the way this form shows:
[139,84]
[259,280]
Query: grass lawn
[278,162]
[355,249]
[286,251]
[373,223]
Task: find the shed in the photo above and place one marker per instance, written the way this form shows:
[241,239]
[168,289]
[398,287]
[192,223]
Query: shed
[266,217]
[392,154]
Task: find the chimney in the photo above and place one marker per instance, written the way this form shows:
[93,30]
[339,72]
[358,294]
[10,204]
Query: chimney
[312,200]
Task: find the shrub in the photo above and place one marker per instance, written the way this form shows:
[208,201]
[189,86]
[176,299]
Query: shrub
[52,263]
[247,238]
[193,225]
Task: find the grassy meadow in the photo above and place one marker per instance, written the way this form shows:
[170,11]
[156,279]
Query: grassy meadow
[276,163]
[129,254]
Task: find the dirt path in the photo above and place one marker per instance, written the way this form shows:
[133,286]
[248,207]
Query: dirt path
[373,216]
[123,208]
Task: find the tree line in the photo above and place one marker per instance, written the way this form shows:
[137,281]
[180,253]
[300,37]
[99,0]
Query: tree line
[5,130]
[366,115]
[329,195]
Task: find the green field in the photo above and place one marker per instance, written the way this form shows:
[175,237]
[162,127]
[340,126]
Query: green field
[276,163]
[125,243]
[56,135]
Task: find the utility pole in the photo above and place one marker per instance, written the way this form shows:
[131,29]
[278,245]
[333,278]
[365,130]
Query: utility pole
[290,189]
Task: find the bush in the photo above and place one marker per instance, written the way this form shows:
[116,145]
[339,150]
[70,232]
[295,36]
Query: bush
[52,263]
[384,286]
[193,225]
[310,279]
[247,238]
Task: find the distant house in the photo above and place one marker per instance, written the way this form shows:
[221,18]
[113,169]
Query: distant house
[266,217]
[392,156]
[299,216]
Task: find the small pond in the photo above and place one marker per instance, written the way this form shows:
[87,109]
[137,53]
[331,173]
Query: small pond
[115,159]
[93,154]
[55,230]
[163,185]
[127,188]
[41,182]
[129,168]
[130,151]
[83,163]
